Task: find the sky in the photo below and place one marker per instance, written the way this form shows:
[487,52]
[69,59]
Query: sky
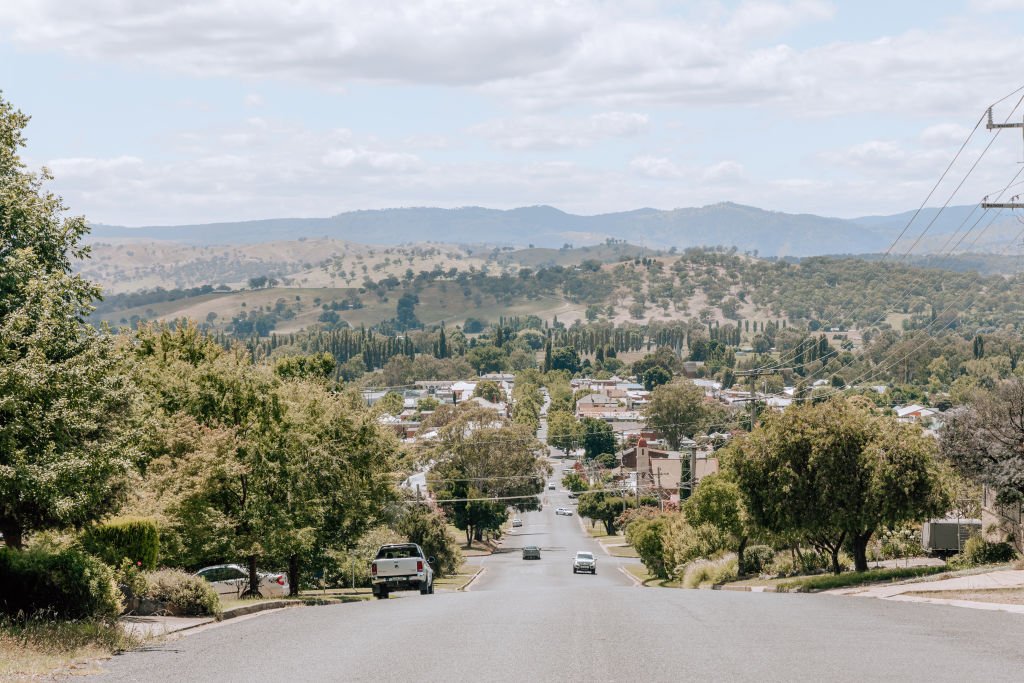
[150,112]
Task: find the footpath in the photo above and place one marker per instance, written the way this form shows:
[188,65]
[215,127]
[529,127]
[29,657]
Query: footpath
[1001,590]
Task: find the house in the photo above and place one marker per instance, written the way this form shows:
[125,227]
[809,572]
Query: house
[462,391]
[690,367]
[914,413]
[664,470]
[594,405]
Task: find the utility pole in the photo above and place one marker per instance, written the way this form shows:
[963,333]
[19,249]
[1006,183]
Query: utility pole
[661,499]
[1013,203]
[752,375]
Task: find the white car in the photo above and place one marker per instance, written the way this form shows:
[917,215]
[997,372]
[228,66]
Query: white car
[551,486]
[584,562]
[232,581]
[516,522]
[564,511]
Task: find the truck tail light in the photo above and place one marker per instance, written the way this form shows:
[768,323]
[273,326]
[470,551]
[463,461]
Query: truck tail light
[419,565]
[280,580]
[373,569]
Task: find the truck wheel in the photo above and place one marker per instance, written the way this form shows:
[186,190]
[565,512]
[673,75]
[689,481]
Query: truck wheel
[574,570]
[424,589]
[382,594]
[431,587]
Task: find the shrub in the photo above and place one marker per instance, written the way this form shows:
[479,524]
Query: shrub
[782,565]
[812,561]
[715,572]
[645,535]
[184,593]
[683,543]
[757,559]
[135,538]
[978,551]
[68,584]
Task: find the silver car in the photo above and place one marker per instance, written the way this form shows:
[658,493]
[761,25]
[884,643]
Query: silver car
[584,562]
[232,581]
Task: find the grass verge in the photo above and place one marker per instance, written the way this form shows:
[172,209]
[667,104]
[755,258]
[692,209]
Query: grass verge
[1002,596]
[821,582]
[38,647]
[622,551]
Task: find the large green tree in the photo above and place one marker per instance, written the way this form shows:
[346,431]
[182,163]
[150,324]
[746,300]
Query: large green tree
[484,464]
[835,471]
[596,436]
[67,399]
[677,411]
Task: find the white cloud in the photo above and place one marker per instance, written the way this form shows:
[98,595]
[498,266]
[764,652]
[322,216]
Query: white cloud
[545,132]
[253,100]
[943,135]
[657,168]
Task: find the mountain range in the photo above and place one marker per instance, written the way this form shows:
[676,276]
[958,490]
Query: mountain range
[769,233]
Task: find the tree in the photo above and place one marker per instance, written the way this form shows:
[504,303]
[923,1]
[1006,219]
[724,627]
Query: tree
[984,441]
[481,455]
[607,460]
[406,311]
[677,411]
[596,437]
[67,398]
[486,358]
[717,501]
[565,358]
[604,507]
[833,471]
[316,367]
[574,481]
[429,529]
[390,403]
[655,377]
[563,431]
[488,390]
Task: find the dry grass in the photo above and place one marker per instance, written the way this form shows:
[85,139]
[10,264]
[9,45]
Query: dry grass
[37,647]
[1003,596]
[622,551]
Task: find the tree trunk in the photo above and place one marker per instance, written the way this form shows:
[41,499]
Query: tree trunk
[478,534]
[860,551]
[739,554]
[609,526]
[293,575]
[254,577]
[836,569]
[469,536]
[12,532]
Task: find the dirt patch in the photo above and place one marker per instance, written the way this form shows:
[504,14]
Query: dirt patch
[1004,596]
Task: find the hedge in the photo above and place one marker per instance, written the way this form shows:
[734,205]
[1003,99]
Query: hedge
[69,584]
[135,538]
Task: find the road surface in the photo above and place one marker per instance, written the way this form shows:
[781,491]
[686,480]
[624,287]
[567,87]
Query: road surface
[536,620]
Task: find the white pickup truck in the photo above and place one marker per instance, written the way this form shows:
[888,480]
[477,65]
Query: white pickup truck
[401,566]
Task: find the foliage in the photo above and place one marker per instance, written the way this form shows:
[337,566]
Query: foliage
[715,572]
[823,582]
[38,646]
[684,543]
[645,535]
[985,440]
[676,411]
[317,366]
[133,538]
[563,430]
[604,507]
[978,551]
[757,559]
[575,482]
[596,436]
[67,399]
[185,593]
[68,584]
[607,460]
[565,358]
[655,377]
[833,470]
[429,528]
[489,390]
[480,454]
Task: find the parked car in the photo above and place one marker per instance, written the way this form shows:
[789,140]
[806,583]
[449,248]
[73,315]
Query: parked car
[584,562]
[401,566]
[516,522]
[531,552]
[564,511]
[232,581]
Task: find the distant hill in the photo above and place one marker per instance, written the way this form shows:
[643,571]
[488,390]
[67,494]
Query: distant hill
[769,233]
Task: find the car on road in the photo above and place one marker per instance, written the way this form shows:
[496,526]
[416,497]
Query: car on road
[401,566]
[232,581]
[531,552]
[584,562]
[551,486]
[571,495]
[516,522]
[564,511]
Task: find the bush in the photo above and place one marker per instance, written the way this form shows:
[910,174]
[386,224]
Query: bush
[782,565]
[68,584]
[812,561]
[135,538]
[711,571]
[646,538]
[978,551]
[184,593]
[429,529]
[683,543]
[757,559]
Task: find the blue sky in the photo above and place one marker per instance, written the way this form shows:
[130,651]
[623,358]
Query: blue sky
[206,110]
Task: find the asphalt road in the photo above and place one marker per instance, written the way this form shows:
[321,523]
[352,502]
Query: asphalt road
[537,620]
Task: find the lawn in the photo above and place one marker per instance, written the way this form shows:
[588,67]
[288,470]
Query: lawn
[41,647]
[821,582]
[621,551]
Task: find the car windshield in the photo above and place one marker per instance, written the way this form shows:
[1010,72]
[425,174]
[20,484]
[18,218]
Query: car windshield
[585,556]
